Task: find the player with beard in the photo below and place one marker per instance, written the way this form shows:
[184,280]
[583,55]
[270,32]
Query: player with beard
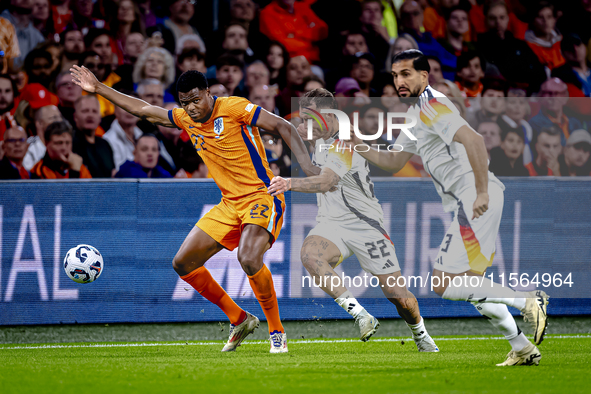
[455,157]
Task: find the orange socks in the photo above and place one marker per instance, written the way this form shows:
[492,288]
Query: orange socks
[202,281]
[262,285]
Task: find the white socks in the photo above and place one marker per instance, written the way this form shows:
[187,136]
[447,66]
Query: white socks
[484,292]
[350,304]
[499,316]
[418,330]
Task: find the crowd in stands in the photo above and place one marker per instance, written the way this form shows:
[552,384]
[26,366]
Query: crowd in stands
[517,70]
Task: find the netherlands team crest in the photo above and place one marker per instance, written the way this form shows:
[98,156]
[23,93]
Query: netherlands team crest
[218,126]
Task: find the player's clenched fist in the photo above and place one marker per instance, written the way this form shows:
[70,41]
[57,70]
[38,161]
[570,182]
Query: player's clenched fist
[480,205]
[279,185]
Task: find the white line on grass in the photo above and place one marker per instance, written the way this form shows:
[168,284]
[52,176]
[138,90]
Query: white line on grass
[296,341]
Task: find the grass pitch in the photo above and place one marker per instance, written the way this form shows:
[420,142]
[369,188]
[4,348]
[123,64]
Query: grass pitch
[382,365]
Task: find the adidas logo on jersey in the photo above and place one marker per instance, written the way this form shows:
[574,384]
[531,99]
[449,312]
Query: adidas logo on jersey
[350,307]
[388,264]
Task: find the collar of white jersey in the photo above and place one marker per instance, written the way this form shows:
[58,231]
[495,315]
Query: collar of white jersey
[426,96]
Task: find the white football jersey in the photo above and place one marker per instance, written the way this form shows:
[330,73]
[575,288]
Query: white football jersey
[445,160]
[354,198]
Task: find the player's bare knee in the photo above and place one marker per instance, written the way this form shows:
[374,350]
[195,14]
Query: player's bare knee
[251,262]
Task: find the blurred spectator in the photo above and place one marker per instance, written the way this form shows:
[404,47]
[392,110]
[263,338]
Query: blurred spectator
[354,42]
[246,12]
[507,159]
[15,147]
[513,57]
[161,36]
[313,82]
[492,103]
[376,35]
[146,14]
[152,92]
[491,132]
[73,47]
[126,20]
[543,38]
[575,73]
[470,73]
[263,96]
[575,160]
[8,93]
[181,12]
[38,64]
[277,154]
[517,110]
[256,74]
[350,96]
[33,97]
[44,116]
[155,63]
[122,136]
[435,74]
[99,41]
[133,47]
[553,98]
[9,43]
[170,145]
[19,14]
[189,41]
[229,72]
[298,68]
[236,41]
[96,153]
[276,61]
[191,59]
[82,17]
[216,88]
[547,148]
[67,91]
[145,160]
[55,50]
[191,164]
[40,17]
[389,98]
[59,161]
[61,13]
[362,70]
[404,42]
[294,25]
[411,22]
[457,26]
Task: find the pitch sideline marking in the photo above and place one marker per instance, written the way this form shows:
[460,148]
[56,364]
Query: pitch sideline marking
[297,341]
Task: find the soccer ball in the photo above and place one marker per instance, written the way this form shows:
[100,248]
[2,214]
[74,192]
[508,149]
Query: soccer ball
[83,264]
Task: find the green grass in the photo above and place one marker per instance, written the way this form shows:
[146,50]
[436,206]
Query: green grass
[464,365]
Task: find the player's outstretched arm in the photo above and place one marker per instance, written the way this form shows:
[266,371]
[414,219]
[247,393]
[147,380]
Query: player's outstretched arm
[321,183]
[388,161]
[476,150]
[288,132]
[84,78]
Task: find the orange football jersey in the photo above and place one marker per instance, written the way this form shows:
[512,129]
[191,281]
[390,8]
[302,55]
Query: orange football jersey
[230,145]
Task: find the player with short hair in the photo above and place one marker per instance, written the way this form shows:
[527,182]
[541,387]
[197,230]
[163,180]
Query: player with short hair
[350,221]
[455,156]
[225,132]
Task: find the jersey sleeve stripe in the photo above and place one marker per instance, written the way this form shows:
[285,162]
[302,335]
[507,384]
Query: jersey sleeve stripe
[171,118]
[256,160]
[255,117]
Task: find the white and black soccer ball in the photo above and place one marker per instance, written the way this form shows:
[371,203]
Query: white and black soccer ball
[83,264]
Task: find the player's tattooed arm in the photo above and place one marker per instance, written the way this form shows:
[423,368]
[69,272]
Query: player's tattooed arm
[314,184]
[289,134]
[84,78]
